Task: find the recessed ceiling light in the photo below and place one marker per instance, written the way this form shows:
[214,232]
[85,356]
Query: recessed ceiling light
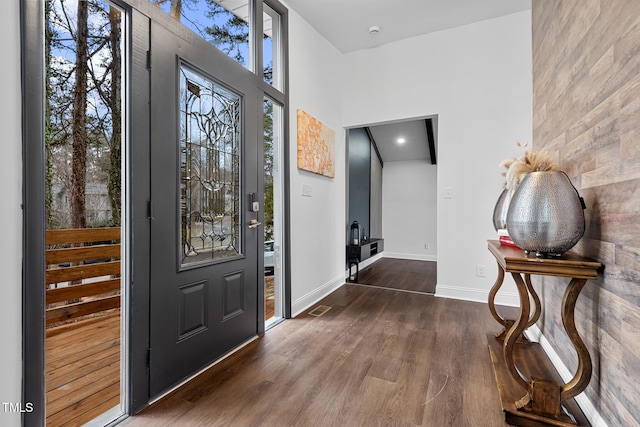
[400,140]
[374,29]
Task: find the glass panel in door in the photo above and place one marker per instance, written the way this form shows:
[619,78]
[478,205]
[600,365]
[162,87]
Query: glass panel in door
[210,170]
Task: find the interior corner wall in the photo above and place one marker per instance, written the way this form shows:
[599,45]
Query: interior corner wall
[477,80]
[409,200]
[317,222]
[586,113]
[11,216]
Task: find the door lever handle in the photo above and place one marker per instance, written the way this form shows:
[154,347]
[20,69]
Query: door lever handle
[254,223]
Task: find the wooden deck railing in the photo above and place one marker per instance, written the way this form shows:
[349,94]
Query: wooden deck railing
[82,280]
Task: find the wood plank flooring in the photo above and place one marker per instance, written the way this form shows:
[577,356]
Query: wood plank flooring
[378,357]
[409,275]
[82,370]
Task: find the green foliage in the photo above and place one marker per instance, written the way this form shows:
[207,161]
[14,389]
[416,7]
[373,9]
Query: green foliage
[268,211]
[99,120]
[268,138]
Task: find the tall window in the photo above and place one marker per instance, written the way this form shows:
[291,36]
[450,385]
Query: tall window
[272,47]
[227,28]
[228,25]
[83,138]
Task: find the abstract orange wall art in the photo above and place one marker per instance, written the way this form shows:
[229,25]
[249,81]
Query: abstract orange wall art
[316,145]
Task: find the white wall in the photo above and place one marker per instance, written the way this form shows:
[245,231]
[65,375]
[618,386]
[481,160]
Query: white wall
[477,79]
[10,215]
[409,210]
[318,223]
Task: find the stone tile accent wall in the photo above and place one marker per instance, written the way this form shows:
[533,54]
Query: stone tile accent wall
[586,112]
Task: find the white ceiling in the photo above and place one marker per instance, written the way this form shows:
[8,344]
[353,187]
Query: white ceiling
[345,23]
[416,145]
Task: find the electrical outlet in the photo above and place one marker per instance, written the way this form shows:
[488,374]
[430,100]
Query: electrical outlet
[481,270]
[306,190]
[427,246]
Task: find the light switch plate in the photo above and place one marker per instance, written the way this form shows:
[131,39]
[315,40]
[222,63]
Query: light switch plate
[448,193]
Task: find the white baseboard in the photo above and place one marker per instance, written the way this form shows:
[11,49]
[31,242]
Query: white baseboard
[509,299]
[301,304]
[367,262]
[590,411]
[417,257]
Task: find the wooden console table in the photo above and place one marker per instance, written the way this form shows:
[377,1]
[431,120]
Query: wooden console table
[538,401]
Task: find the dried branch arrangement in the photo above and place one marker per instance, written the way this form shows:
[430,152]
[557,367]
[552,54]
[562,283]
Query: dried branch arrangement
[530,161]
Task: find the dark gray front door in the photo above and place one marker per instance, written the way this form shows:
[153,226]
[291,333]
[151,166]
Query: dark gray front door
[204,163]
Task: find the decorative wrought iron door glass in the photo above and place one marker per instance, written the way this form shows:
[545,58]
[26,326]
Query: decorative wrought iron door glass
[210,125]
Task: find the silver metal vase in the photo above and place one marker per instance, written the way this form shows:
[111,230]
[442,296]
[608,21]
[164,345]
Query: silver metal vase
[501,209]
[546,214]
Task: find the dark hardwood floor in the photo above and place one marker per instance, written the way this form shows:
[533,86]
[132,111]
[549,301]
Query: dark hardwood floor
[408,275]
[378,357]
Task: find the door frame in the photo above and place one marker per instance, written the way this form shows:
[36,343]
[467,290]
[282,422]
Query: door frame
[32,18]
[139,13]
[142,13]
[33,210]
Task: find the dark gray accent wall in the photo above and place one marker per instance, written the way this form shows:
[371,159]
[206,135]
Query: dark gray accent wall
[359,178]
[364,183]
[375,208]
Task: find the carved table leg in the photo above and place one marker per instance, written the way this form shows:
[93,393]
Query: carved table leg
[512,336]
[492,297]
[508,323]
[536,301]
[583,374]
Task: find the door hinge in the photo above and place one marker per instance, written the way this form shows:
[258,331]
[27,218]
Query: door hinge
[148,361]
[148,60]
[149,209]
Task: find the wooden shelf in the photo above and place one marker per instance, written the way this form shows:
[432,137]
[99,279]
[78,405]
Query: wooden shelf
[533,362]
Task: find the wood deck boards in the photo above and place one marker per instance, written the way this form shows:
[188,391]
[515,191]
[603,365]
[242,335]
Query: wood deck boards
[82,370]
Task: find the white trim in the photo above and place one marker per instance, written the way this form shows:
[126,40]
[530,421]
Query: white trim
[417,257]
[367,262]
[301,304]
[510,299]
[590,411]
